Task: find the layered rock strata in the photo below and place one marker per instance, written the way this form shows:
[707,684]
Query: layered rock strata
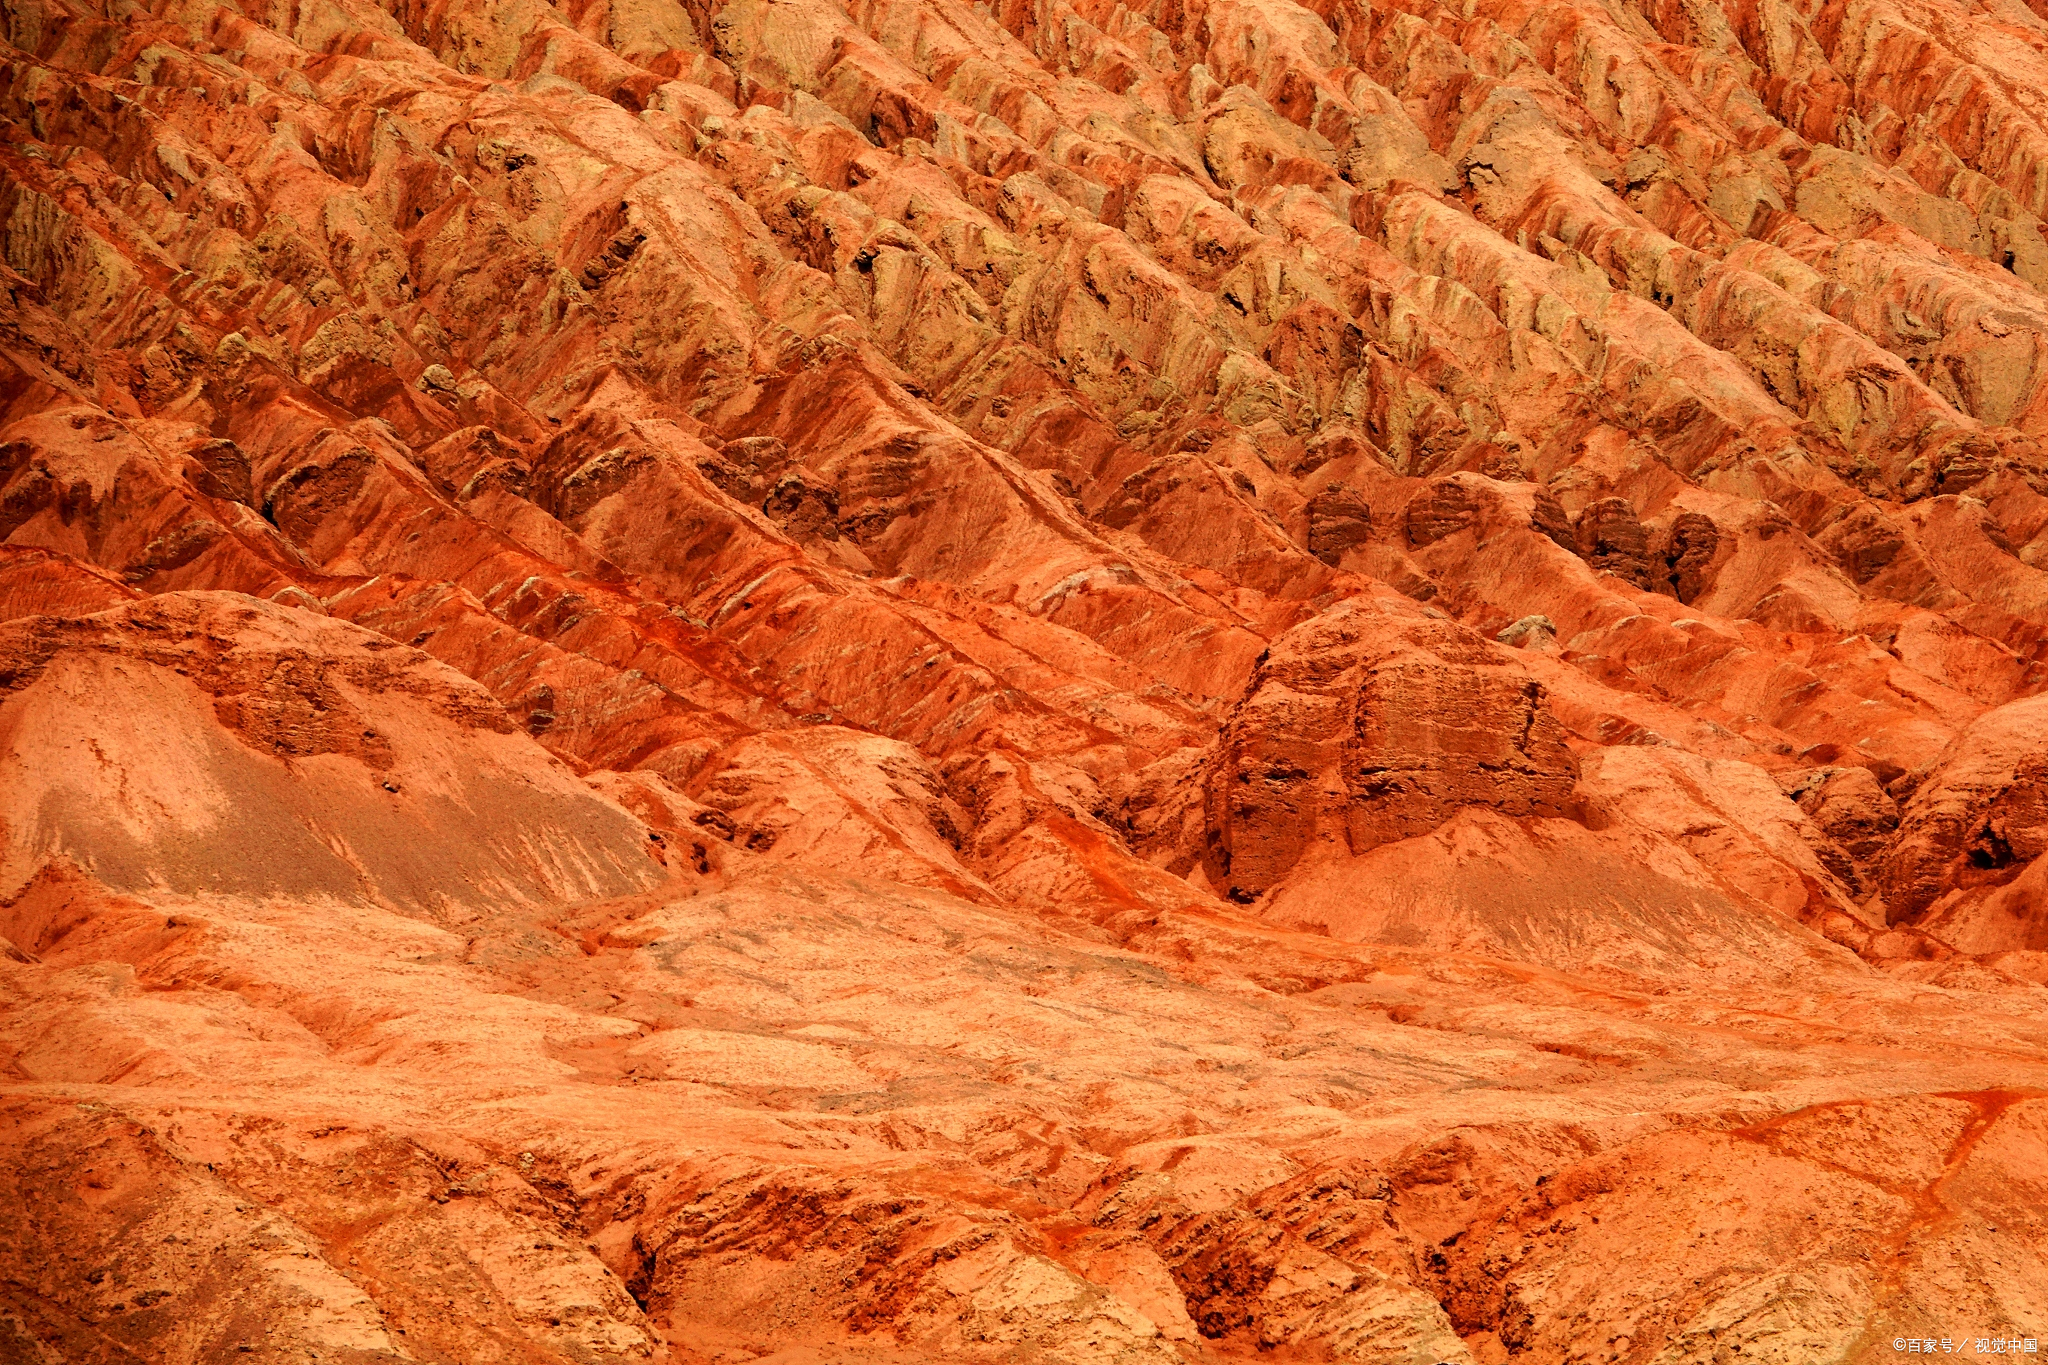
[1206,680]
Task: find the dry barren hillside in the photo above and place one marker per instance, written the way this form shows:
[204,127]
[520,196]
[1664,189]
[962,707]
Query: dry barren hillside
[1057,682]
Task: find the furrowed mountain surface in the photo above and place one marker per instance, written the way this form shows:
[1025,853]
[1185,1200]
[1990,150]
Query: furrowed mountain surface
[1045,681]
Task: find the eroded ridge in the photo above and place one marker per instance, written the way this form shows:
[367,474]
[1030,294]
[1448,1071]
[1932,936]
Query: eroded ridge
[1074,683]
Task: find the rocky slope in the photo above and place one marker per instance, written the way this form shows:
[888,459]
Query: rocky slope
[1060,682]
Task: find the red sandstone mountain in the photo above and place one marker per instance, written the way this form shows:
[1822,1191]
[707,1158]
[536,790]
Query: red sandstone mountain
[1070,683]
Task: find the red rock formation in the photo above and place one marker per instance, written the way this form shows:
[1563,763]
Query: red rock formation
[1194,681]
[1375,722]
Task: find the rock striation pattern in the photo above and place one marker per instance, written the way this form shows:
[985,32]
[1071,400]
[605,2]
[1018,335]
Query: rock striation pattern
[1368,724]
[1035,680]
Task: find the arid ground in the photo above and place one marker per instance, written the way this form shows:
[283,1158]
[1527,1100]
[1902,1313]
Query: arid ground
[900,682]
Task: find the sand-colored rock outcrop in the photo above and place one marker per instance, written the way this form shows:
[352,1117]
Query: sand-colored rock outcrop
[209,743]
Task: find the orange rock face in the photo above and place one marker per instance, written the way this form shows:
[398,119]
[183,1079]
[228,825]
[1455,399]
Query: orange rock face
[1373,723]
[931,682]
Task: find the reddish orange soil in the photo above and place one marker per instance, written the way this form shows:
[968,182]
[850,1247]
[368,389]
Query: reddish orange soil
[1058,682]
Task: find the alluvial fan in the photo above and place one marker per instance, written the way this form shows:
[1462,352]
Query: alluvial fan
[910,682]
